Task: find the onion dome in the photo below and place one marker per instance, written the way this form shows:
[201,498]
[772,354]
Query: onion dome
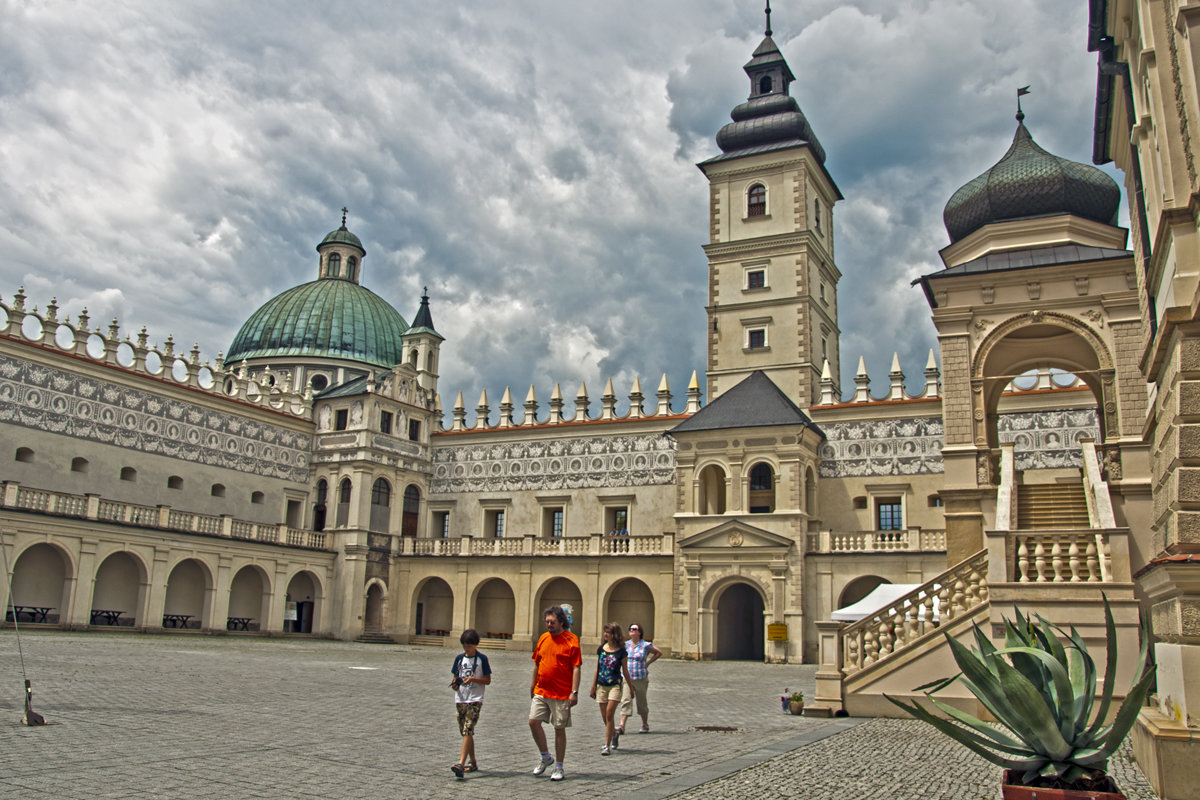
[331,317]
[770,119]
[1030,182]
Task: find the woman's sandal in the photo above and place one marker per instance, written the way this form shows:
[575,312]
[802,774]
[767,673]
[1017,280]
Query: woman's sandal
[470,766]
[458,770]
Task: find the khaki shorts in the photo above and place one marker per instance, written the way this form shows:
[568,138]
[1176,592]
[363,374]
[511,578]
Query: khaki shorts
[468,716]
[606,694]
[547,709]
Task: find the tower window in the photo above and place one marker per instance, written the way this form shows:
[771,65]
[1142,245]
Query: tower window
[756,279]
[341,419]
[756,338]
[352,268]
[335,265]
[385,421]
[414,430]
[817,214]
[756,205]
[319,382]
[764,84]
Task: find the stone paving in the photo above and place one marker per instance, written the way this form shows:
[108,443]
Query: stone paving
[193,716]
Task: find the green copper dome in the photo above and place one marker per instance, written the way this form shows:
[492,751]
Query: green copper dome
[341,236]
[327,319]
[1030,182]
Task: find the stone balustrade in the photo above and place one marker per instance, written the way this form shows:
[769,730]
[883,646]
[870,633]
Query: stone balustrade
[594,544]
[912,539]
[957,591]
[137,355]
[94,507]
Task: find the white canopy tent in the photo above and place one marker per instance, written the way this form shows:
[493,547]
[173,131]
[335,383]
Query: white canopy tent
[882,595]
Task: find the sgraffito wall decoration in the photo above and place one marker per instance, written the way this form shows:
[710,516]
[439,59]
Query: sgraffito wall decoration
[53,400]
[551,464]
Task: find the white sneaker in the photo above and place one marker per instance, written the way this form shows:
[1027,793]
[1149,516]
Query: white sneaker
[541,767]
[557,775]
[604,750]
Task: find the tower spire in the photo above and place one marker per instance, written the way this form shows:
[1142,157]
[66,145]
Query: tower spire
[345,211]
[1024,90]
[768,17]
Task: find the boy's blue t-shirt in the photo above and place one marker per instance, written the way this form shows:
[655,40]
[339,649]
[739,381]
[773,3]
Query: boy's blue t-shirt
[469,666]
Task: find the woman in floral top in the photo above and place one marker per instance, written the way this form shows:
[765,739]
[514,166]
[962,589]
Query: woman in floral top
[606,683]
[641,654]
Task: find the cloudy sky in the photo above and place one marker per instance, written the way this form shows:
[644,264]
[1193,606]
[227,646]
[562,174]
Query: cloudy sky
[531,162]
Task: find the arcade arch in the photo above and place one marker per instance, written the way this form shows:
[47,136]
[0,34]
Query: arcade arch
[555,593]
[303,600]
[434,608]
[250,595]
[120,585]
[712,490]
[41,577]
[858,588]
[374,610]
[739,628]
[495,608]
[630,600]
[188,587]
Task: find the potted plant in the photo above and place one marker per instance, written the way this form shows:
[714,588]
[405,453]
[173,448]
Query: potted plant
[796,703]
[1053,738]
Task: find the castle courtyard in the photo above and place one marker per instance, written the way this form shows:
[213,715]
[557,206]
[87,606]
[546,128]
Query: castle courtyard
[193,716]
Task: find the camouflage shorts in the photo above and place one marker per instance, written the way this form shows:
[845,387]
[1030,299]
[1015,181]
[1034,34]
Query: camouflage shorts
[468,715]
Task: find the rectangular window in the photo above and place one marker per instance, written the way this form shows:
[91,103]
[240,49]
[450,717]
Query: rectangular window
[441,524]
[889,513]
[756,338]
[341,419]
[493,522]
[414,430]
[385,421]
[616,518]
[756,279]
[556,523]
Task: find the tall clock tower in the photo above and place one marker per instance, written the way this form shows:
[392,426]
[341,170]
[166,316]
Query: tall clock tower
[772,280]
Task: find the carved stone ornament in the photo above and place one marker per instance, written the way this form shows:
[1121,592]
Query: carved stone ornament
[982,325]
[988,293]
[1035,290]
[735,539]
[1095,317]
[1081,285]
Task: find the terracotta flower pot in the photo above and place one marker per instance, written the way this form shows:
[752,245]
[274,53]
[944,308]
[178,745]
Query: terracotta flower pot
[1013,790]
[796,707]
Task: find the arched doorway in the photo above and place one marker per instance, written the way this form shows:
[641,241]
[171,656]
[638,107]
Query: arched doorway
[712,490]
[631,601]
[300,611]
[187,586]
[434,609]
[495,609]
[412,511]
[120,589]
[740,632]
[373,613]
[859,588]
[40,581]
[555,593]
[249,599]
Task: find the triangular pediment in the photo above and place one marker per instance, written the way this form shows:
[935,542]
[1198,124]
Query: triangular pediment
[735,533]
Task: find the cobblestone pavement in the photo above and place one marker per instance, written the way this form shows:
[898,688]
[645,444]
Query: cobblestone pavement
[191,716]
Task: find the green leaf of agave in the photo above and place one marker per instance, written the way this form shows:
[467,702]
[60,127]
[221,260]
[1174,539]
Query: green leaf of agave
[1027,706]
[998,738]
[985,685]
[1128,712]
[1060,702]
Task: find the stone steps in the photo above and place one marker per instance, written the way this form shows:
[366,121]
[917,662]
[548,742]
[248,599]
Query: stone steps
[1051,505]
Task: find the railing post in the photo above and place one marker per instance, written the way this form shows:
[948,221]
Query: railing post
[164,516]
[668,543]
[527,542]
[226,526]
[92,510]
[595,540]
[464,546]
[827,697]
[11,488]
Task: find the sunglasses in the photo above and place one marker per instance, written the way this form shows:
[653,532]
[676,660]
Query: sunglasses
[631,630]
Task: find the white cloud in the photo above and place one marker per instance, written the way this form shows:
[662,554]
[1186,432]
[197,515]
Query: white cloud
[532,164]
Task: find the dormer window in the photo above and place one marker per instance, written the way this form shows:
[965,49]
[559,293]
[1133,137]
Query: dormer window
[764,84]
[335,265]
[756,201]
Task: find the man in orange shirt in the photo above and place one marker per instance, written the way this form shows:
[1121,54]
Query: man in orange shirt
[555,688]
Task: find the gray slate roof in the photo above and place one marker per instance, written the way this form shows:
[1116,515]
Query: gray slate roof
[756,402]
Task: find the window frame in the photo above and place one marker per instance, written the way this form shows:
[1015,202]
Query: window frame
[757,202]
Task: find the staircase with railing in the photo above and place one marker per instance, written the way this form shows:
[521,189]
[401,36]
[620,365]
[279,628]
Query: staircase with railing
[1054,550]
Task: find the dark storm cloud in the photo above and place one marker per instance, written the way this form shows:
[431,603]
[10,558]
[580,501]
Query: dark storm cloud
[531,163]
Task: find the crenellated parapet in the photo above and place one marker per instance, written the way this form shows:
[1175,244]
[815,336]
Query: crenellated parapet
[582,407]
[137,355]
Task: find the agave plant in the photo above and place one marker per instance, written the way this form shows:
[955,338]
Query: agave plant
[1042,692]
